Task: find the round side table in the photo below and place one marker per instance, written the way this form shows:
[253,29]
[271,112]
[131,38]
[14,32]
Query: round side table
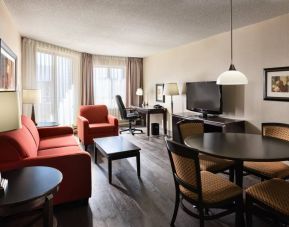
[28,189]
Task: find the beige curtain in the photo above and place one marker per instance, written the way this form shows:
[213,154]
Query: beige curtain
[134,80]
[87,97]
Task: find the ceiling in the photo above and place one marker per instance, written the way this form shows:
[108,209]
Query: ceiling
[137,28]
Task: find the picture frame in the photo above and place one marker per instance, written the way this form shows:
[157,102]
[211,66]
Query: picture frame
[159,93]
[8,68]
[276,84]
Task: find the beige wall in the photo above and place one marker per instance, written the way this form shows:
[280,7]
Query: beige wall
[257,46]
[10,35]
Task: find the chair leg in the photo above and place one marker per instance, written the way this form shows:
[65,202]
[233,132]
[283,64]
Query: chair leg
[177,203]
[249,219]
[202,217]
[231,174]
[239,220]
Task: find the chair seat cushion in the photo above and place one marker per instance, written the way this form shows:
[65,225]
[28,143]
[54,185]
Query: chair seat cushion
[215,189]
[101,128]
[268,169]
[133,115]
[273,193]
[212,164]
[57,141]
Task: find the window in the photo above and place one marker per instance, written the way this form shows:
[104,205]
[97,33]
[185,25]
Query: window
[54,77]
[109,82]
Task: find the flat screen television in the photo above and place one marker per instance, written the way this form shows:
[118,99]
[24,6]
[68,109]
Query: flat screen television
[204,97]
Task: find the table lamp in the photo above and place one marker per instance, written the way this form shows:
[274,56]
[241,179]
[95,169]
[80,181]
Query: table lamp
[32,96]
[9,120]
[139,92]
[171,89]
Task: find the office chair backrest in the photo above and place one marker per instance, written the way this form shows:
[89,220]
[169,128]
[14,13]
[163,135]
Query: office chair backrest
[121,107]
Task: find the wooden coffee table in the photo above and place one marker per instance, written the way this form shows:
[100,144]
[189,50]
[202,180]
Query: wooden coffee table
[114,148]
[28,189]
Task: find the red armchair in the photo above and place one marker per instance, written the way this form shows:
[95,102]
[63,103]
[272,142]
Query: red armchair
[54,147]
[93,122]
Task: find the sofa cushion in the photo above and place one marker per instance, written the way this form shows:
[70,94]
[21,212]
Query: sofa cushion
[101,128]
[94,113]
[57,141]
[59,151]
[29,124]
[17,144]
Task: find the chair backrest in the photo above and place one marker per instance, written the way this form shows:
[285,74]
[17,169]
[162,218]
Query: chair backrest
[94,113]
[188,128]
[276,130]
[185,167]
[121,107]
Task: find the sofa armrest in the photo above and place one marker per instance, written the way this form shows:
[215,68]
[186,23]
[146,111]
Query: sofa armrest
[82,127]
[54,131]
[112,120]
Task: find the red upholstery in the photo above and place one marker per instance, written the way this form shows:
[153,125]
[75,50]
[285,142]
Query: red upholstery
[57,141]
[95,122]
[59,149]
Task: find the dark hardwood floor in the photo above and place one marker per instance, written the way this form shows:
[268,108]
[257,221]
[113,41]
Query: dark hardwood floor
[131,202]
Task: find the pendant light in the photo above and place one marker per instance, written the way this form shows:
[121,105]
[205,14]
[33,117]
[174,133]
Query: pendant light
[232,76]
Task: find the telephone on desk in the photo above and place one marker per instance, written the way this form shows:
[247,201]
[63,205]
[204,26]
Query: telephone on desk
[157,106]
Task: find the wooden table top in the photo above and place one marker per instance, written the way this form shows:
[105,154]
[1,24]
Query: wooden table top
[240,146]
[29,183]
[114,145]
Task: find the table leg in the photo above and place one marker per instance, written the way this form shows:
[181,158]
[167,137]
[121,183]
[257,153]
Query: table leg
[165,122]
[48,211]
[148,124]
[239,172]
[95,154]
[138,164]
[109,170]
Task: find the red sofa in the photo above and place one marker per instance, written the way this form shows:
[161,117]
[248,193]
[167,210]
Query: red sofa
[52,146]
[93,122]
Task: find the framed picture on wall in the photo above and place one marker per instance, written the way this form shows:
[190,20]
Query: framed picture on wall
[7,68]
[276,84]
[159,93]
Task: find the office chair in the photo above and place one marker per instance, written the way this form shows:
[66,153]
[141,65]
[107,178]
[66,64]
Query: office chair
[127,114]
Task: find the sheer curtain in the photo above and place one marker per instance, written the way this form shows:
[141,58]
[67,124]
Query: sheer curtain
[56,72]
[109,80]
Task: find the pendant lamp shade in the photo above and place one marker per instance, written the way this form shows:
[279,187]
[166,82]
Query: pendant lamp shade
[232,76]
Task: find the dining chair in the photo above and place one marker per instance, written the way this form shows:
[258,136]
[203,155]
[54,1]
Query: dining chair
[268,170]
[268,199]
[202,189]
[209,163]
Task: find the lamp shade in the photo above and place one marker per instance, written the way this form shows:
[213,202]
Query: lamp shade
[31,96]
[139,92]
[10,111]
[171,89]
[232,77]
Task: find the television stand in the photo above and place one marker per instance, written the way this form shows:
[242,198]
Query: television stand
[206,116]
[211,123]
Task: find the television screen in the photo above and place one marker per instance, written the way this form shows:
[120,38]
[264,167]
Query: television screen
[204,97]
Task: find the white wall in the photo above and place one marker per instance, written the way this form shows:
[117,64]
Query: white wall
[10,35]
[256,47]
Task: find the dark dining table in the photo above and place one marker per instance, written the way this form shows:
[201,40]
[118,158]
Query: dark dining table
[240,147]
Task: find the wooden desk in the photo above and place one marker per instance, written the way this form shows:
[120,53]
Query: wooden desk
[240,147]
[151,110]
